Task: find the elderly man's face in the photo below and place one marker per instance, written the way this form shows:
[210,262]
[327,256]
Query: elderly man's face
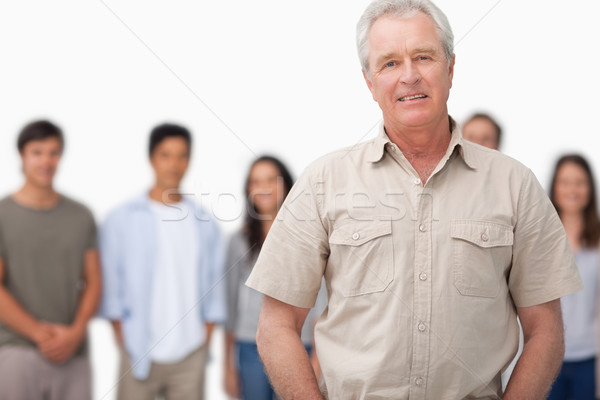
[410,76]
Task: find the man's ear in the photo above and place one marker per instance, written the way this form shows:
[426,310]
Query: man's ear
[451,68]
[369,83]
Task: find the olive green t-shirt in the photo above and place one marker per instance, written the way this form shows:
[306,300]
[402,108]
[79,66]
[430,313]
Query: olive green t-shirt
[43,254]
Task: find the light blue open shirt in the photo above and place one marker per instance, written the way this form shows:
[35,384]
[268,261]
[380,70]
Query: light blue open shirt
[128,255]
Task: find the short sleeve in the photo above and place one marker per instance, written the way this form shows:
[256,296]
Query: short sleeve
[293,258]
[92,239]
[543,267]
[111,304]
[2,243]
[213,277]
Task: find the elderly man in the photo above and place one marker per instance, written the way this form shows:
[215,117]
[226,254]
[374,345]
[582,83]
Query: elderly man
[430,246]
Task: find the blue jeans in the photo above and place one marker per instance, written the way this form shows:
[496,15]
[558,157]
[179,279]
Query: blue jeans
[254,381]
[575,381]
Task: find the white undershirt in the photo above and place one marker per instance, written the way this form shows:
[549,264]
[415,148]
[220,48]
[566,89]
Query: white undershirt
[176,326]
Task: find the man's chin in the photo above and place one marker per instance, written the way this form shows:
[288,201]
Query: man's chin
[45,183]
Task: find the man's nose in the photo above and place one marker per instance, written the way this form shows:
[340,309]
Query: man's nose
[409,74]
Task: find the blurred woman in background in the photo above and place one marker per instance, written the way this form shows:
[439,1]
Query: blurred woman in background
[573,193]
[267,185]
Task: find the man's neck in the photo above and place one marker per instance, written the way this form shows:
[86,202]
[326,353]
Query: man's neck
[424,146]
[36,197]
[164,195]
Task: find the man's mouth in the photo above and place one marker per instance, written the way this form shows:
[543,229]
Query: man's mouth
[416,96]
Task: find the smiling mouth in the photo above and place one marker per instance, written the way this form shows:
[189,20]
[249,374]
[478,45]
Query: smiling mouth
[416,96]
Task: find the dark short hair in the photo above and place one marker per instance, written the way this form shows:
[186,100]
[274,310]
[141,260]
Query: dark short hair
[163,131]
[39,130]
[488,117]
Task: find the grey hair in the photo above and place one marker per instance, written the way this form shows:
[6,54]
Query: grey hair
[399,8]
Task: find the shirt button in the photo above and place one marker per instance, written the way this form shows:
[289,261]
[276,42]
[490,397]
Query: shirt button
[417,181]
[419,381]
[421,327]
[355,236]
[422,228]
[423,276]
[484,237]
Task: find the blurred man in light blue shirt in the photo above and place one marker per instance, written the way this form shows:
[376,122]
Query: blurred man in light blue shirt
[162,260]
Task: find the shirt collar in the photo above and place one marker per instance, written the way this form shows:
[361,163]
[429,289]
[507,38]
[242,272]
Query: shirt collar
[143,200]
[376,148]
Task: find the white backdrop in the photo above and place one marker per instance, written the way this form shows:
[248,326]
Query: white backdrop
[267,76]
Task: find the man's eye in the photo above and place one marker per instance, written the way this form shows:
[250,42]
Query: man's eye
[390,64]
[423,58]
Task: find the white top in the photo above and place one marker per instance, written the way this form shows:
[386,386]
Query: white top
[579,309]
[176,326]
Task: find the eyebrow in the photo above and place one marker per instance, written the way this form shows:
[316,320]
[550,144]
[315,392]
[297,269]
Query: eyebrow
[418,50]
[424,50]
[386,56]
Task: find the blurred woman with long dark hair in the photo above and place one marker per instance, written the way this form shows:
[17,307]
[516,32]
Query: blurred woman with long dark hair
[267,185]
[573,193]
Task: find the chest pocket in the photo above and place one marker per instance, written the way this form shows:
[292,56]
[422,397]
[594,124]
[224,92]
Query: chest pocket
[361,253]
[481,251]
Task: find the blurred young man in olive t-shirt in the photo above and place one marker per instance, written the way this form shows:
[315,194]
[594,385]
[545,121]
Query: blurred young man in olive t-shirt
[49,279]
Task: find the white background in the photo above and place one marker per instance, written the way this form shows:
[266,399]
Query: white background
[249,77]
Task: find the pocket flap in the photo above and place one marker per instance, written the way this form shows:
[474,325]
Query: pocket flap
[482,233]
[356,233]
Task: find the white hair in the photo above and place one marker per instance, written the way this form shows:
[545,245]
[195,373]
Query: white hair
[399,8]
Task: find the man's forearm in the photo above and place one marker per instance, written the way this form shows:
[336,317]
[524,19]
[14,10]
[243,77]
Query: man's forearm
[535,371]
[292,376]
[542,355]
[210,327]
[91,294]
[14,316]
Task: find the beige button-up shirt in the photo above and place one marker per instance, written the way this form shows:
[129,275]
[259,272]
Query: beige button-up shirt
[422,280]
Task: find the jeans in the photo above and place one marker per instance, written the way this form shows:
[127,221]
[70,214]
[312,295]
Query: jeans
[253,378]
[575,381]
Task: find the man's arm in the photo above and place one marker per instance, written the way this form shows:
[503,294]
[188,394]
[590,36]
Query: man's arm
[282,351]
[17,318]
[210,327]
[67,339]
[543,352]
[118,331]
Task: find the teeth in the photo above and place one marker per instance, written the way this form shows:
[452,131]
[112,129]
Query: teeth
[416,96]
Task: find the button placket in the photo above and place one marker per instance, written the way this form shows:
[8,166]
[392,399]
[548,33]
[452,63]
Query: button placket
[422,299]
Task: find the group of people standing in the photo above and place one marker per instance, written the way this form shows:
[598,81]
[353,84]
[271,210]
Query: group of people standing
[430,248]
[159,270]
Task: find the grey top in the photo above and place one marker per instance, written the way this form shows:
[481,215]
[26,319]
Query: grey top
[243,303]
[580,309]
[43,254]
